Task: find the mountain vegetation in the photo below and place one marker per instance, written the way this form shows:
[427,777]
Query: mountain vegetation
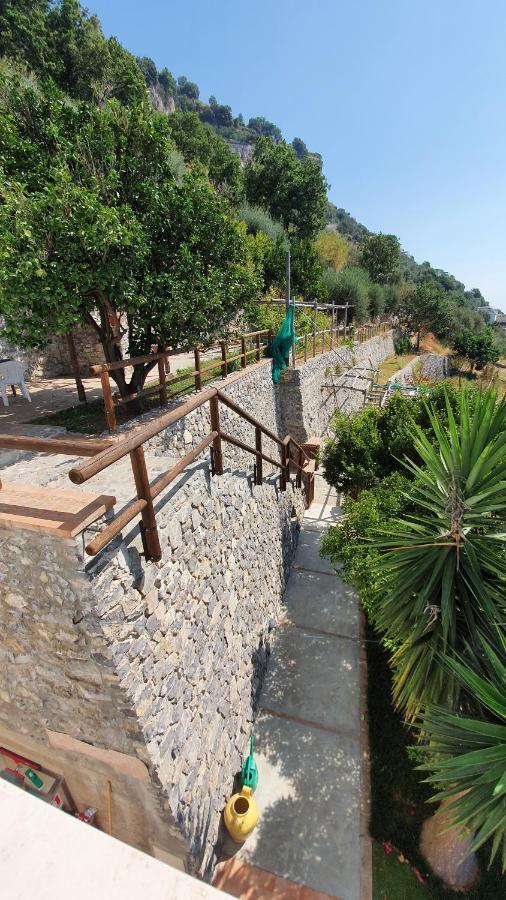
[100,150]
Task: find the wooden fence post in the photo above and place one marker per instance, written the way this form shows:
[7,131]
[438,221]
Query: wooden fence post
[217,455]
[257,344]
[224,366]
[198,375]
[259,460]
[285,463]
[110,415]
[149,530]
[163,381]
[298,481]
[243,352]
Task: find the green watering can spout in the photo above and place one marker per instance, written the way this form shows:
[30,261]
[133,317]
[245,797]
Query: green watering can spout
[249,771]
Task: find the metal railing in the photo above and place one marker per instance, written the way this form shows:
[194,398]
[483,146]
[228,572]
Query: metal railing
[105,452]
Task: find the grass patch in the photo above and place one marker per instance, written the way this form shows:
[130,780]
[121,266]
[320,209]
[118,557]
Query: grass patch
[393,364]
[393,879]
[399,799]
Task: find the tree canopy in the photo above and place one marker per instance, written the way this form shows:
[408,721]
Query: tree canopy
[105,222]
[380,256]
[293,190]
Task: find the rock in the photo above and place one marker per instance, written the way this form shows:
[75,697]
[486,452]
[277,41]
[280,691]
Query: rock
[448,853]
[15,600]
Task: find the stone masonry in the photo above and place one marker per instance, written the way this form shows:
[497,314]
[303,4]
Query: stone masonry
[309,403]
[53,360]
[159,660]
[299,405]
[164,661]
[433,367]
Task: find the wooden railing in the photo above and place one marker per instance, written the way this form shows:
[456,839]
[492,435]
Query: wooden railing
[104,453]
[315,342]
[310,345]
[258,341]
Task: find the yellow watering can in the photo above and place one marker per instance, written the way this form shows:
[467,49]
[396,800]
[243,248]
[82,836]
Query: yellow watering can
[241,815]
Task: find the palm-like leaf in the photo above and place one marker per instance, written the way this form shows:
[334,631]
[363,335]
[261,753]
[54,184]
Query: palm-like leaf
[446,568]
[467,757]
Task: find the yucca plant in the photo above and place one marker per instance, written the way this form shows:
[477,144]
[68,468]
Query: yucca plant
[467,756]
[445,567]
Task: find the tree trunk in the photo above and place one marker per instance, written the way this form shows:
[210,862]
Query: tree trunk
[110,333]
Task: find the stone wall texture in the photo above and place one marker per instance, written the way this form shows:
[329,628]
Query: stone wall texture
[164,661]
[334,380]
[434,367]
[53,361]
[301,404]
[159,660]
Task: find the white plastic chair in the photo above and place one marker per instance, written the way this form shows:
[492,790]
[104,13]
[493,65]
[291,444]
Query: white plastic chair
[11,372]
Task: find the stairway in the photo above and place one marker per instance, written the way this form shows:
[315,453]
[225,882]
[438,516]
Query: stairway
[308,738]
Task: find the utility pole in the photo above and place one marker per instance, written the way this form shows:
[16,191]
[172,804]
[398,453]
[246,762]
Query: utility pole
[287,279]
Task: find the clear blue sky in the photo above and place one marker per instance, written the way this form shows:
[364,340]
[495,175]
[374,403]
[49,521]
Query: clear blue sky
[404,99]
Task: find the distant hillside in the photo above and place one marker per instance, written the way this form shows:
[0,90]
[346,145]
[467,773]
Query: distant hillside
[168,93]
[355,232]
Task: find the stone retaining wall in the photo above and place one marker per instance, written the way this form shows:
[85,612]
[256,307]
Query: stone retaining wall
[162,661]
[434,367]
[53,361]
[315,390]
[299,405]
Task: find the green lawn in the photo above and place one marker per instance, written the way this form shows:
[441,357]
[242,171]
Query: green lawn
[393,364]
[399,799]
[393,879]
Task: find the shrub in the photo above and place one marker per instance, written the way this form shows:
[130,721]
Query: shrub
[346,543]
[402,346]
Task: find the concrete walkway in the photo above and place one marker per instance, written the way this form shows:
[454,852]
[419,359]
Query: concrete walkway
[308,732]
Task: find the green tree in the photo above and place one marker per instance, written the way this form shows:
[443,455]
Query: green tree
[466,755]
[199,143]
[380,256]
[299,148]
[294,191]
[479,347]
[108,229]
[445,567]
[23,34]
[265,128]
[84,63]
[353,287]
[351,459]
[421,308]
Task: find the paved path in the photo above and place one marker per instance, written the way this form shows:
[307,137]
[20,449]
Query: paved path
[308,732]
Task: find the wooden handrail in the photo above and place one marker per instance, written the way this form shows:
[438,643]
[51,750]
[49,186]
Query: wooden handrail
[66,446]
[244,415]
[137,437]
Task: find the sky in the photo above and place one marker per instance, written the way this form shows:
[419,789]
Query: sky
[404,99]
